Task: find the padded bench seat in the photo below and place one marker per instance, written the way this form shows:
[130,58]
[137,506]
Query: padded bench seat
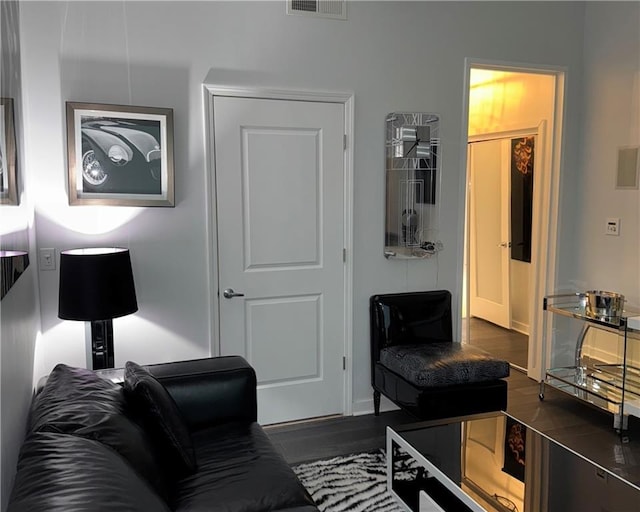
[442,364]
[416,364]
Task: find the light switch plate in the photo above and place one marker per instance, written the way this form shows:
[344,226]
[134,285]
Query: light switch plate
[613,226]
[47,260]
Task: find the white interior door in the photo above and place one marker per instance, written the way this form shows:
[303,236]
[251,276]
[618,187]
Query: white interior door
[280,214]
[489,254]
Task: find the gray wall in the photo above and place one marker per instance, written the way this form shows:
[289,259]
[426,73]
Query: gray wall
[19,315]
[611,120]
[393,56]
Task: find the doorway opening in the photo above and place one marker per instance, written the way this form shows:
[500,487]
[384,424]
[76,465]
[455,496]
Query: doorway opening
[513,141]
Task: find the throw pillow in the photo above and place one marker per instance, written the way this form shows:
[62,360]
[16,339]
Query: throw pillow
[162,419]
[77,401]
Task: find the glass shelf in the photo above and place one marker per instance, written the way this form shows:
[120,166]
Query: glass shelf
[604,386]
[614,374]
[574,305]
[582,384]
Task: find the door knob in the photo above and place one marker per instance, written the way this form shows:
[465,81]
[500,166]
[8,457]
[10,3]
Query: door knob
[230,294]
[504,244]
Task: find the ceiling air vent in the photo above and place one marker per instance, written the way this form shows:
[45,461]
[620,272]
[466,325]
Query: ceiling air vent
[336,9]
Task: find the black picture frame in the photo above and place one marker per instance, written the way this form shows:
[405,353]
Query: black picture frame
[522,164]
[515,444]
[120,155]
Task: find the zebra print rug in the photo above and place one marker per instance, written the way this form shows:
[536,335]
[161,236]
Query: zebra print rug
[351,483]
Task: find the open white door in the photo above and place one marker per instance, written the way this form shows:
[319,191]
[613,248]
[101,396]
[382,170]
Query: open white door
[280,219]
[489,255]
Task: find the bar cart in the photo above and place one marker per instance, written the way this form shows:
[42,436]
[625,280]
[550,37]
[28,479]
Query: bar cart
[613,386]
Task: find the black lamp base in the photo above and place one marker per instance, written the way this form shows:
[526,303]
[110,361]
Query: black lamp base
[102,344]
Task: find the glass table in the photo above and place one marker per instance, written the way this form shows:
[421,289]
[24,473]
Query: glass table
[494,462]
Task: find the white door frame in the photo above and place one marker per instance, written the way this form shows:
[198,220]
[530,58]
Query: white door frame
[210,91]
[545,230]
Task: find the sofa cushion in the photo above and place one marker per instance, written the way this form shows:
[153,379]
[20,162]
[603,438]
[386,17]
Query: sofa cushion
[442,364]
[77,401]
[239,470]
[66,473]
[162,419]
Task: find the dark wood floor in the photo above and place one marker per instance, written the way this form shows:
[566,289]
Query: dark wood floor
[578,426]
[499,342]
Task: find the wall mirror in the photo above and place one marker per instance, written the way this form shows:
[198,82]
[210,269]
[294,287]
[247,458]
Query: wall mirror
[412,164]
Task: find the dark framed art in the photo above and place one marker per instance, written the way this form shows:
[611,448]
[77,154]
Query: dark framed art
[8,158]
[515,440]
[120,155]
[522,162]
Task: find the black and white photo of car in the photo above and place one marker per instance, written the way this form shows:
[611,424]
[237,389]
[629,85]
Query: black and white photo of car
[121,156]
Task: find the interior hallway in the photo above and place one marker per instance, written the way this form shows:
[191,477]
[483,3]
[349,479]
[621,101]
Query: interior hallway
[499,342]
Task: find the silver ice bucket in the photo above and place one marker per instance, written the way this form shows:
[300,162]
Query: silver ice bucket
[601,304]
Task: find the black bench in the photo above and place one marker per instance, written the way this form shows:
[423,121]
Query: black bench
[417,365]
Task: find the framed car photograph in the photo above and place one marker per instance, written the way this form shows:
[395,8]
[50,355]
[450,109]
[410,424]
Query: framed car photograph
[8,159]
[120,155]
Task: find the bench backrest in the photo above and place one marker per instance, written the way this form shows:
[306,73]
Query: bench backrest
[408,318]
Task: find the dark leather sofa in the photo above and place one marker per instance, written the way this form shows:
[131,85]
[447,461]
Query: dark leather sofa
[87,449]
[417,365]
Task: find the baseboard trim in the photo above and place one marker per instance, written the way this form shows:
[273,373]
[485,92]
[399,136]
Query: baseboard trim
[600,355]
[362,407]
[520,327]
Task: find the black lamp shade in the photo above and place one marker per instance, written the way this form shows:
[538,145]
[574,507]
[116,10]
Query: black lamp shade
[96,284]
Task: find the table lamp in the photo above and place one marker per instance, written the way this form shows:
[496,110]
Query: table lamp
[96,285]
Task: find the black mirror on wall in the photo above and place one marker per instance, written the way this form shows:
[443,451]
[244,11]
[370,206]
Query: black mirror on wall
[12,265]
[10,101]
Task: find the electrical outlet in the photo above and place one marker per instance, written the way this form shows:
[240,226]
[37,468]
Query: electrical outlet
[47,259]
[613,227]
